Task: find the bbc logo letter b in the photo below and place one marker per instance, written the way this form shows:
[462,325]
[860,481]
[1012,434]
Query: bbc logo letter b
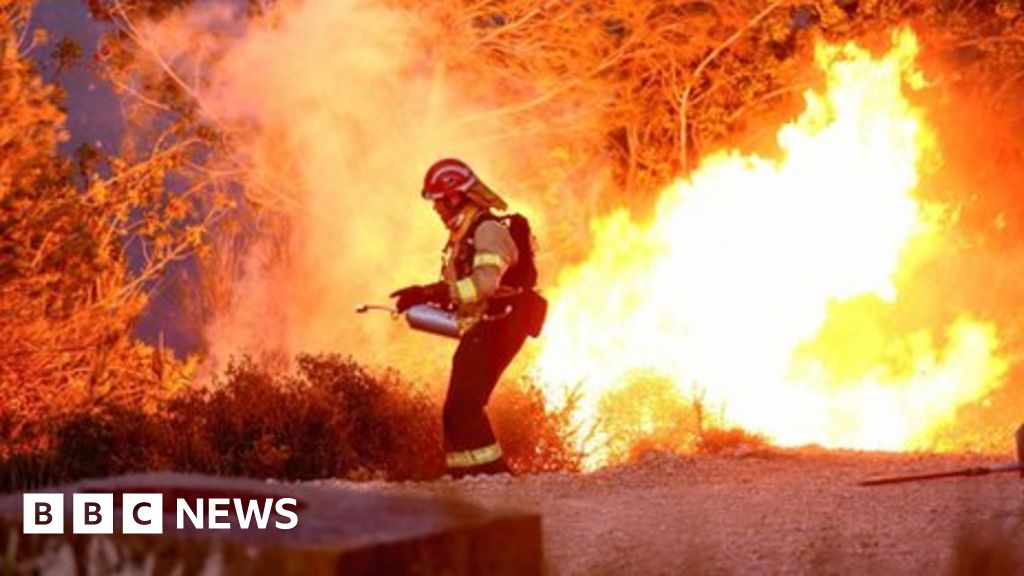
[93,513]
[42,514]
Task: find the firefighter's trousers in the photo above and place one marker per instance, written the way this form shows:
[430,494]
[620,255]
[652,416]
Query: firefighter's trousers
[482,355]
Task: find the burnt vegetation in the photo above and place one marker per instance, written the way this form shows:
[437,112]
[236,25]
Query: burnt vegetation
[85,238]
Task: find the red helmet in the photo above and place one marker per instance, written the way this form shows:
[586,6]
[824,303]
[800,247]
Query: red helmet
[447,178]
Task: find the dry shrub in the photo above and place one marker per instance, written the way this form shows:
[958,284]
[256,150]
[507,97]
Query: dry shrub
[648,414]
[730,441]
[331,417]
[533,439]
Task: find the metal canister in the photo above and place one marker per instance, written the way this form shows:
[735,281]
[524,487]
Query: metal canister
[427,318]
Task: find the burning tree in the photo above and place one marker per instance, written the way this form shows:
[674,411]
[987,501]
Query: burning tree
[84,242]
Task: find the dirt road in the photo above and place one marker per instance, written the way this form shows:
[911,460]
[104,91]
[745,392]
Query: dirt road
[780,512]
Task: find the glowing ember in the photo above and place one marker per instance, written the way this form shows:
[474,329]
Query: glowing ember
[755,280]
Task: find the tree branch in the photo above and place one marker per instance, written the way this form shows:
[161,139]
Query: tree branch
[699,70]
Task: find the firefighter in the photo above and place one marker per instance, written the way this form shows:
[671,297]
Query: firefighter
[487,280]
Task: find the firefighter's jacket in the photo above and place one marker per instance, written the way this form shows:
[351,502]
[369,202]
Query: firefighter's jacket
[478,254]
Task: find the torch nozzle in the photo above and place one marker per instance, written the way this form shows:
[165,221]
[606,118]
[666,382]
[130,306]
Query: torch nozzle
[364,308]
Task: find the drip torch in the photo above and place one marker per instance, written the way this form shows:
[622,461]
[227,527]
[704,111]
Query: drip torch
[422,317]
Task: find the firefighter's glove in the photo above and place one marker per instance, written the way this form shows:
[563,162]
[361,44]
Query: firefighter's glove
[436,293]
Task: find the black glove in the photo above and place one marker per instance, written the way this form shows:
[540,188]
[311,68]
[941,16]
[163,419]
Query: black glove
[436,293]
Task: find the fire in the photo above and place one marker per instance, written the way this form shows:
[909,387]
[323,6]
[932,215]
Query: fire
[757,284]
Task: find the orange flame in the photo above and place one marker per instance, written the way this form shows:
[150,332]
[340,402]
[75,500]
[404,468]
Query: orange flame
[731,286]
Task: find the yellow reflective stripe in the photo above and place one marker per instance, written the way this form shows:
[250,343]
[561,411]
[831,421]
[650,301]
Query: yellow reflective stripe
[466,291]
[476,457]
[489,259]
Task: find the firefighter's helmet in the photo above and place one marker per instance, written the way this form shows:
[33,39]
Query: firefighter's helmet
[448,178]
[451,178]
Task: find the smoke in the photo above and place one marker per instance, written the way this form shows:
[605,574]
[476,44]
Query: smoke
[337,107]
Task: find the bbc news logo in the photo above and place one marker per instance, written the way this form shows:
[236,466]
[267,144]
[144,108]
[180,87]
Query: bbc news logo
[94,513]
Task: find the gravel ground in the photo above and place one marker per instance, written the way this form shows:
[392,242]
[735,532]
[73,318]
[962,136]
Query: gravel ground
[780,512]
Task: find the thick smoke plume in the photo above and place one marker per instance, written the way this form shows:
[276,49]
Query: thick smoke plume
[337,108]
